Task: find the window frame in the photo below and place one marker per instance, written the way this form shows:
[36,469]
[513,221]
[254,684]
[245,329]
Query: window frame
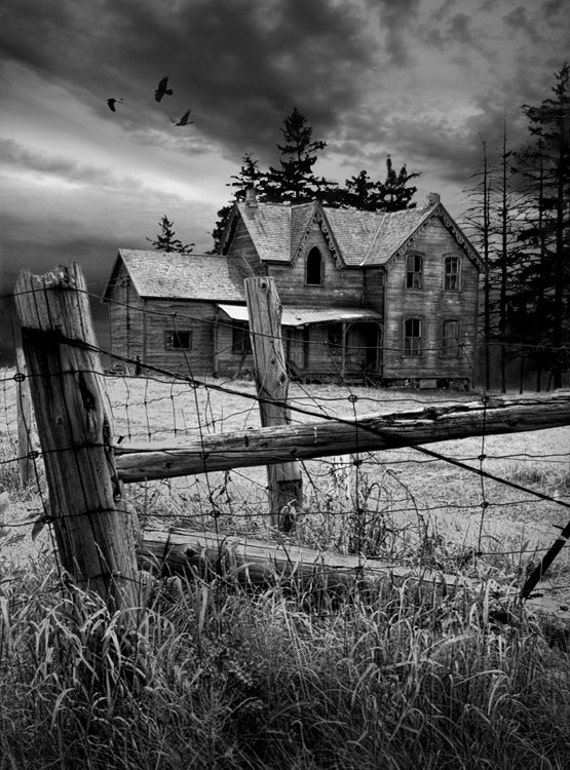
[173,335]
[450,275]
[408,350]
[314,251]
[412,274]
[450,345]
[241,341]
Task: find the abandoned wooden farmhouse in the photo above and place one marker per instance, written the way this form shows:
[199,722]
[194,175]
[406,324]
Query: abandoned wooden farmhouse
[383,297]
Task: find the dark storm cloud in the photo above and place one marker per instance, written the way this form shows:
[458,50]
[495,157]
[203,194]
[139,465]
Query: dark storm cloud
[242,67]
[519,20]
[552,7]
[457,30]
[396,20]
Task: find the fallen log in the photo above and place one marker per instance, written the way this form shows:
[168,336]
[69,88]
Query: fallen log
[258,562]
[265,446]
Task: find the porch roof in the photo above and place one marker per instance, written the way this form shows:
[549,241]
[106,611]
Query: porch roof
[304,316]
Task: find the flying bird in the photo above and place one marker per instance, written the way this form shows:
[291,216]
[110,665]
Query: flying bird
[112,102]
[162,89]
[183,121]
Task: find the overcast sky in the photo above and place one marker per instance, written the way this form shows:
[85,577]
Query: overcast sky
[423,80]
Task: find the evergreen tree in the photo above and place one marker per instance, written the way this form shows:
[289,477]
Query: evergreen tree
[359,192]
[249,175]
[478,224]
[166,240]
[545,236]
[393,194]
[295,181]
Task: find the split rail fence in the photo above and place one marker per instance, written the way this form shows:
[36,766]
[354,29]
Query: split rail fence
[86,469]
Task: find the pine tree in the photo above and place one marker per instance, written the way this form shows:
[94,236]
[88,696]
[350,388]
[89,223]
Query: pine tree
[167,241]
[393,194]
[545,237]
[249,175]
[359,192]
[478,224]
[294,181]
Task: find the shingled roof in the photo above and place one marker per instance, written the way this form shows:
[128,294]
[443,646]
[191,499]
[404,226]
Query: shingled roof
[170,275]
[360,238]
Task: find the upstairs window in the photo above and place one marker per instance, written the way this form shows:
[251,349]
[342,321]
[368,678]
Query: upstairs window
[450,339]
[241,342]
[314,268]
[414,278]
[178,339]
[413,337]
[451,274]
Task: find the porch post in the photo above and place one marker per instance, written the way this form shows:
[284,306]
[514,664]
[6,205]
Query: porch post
[343,348]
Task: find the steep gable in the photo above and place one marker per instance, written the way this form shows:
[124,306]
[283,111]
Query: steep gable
[269,226]
[399,229]
[353,232]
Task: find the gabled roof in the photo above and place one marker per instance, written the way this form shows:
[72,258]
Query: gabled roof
[170,275]
[357,238]
[270,228]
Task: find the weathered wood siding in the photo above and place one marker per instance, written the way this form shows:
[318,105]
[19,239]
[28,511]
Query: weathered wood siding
[241,247]
[433,305]
[339,287]
[126,319]
[228,362]
[181,316]
[374,288]
[139,327]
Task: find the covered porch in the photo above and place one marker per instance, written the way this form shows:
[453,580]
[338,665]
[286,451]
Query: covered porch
[325,343]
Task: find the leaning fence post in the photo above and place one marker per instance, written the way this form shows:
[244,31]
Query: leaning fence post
[264,309]
[93,530]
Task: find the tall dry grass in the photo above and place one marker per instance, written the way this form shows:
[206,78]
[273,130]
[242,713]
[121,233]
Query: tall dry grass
[220,676]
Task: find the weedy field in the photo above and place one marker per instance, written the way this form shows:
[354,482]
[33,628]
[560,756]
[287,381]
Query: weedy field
[220,675]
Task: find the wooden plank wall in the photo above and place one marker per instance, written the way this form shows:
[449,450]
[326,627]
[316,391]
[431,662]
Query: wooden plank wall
[433,305]
[339,287]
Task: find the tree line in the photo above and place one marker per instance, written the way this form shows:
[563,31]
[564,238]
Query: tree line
[520,221]
[294,180]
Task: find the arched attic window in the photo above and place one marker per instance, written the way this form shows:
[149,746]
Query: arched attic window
[314,268]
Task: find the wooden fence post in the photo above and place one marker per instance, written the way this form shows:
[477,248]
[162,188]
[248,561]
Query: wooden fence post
[284,479]
[24,409]
[93,529]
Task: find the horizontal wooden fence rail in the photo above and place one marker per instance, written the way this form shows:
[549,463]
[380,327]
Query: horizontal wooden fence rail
[265,446]
[176,551]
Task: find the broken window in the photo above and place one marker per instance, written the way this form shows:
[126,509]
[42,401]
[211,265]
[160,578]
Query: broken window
[241,342]
[450,339]
[178,339]
[414,271]
[413,337]
[451,274]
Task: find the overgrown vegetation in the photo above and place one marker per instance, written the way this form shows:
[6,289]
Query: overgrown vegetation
[218,676]
[215,673]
